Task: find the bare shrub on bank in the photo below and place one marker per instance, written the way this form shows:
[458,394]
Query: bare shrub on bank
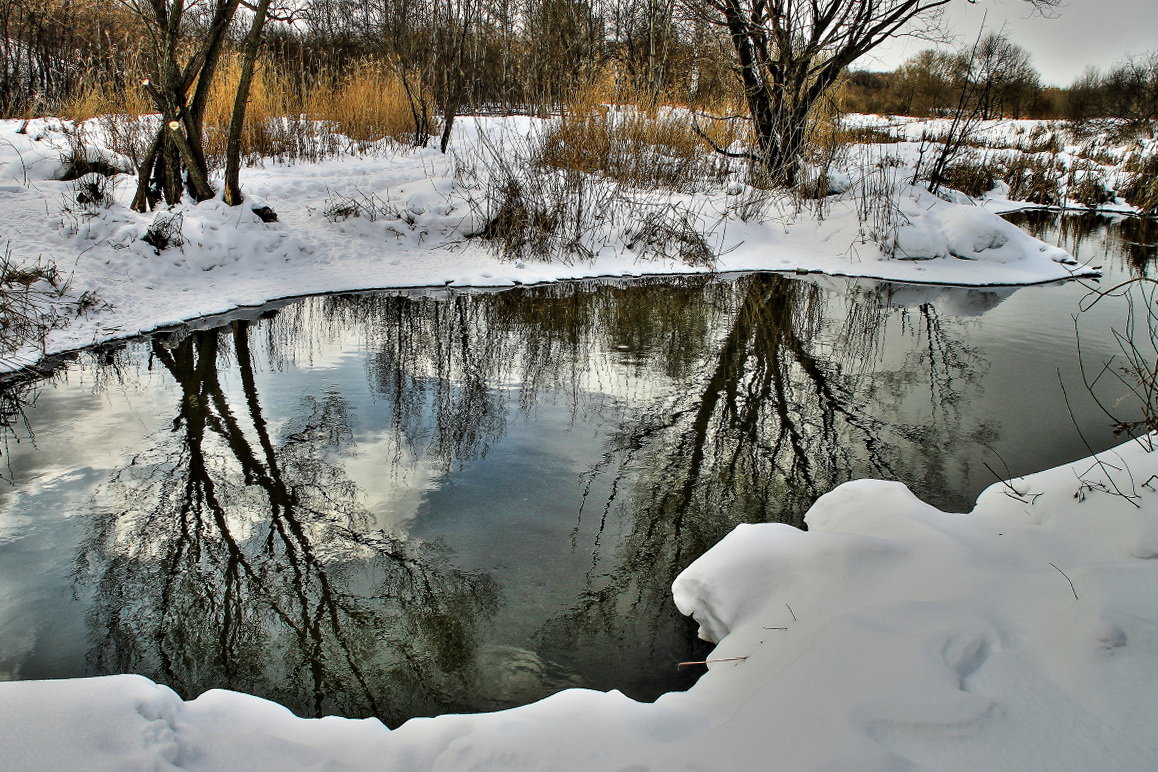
[1141,187]
[165,231]
[538,198]
[877,203]
[34,300]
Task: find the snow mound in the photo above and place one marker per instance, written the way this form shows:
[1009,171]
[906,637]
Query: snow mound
[934,228]
[890,635]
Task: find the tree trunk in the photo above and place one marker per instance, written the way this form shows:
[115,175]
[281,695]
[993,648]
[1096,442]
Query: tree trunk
[233,195]
[451,112]
[141,202]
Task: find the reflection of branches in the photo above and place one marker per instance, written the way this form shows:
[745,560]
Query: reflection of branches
[438,361]
[769,426]
[1137,368]
[244,557]
[221,562]
[16,395]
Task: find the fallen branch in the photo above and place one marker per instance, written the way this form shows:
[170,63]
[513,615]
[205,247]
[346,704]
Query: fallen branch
[711,661]
[1071,581]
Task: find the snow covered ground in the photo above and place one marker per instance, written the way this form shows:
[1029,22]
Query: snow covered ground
[416,236]
[1096,160]
[891,635]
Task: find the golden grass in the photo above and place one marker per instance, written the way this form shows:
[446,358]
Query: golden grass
[368,104]
[365,104]
[96,99]
[641,143]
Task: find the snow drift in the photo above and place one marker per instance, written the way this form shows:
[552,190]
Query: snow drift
[890,635]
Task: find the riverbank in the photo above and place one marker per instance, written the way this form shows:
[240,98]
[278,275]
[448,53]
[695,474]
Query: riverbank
[888,635]
[405,218]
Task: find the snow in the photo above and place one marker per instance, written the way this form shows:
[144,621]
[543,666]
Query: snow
[890,635]
[1096,154]
[418,209]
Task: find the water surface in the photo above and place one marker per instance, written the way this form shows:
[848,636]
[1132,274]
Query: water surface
[401,504]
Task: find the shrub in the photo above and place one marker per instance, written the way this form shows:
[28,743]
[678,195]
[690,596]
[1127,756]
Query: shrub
[670,233]
[93,191]
[1141,188]
[165,231]
[1034,179]
[523,224]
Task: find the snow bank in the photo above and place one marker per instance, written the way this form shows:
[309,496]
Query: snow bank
[411,225]
[890,635]
[1091,159]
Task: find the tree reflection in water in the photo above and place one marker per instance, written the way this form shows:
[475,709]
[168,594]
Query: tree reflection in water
[1094,236]
[781,411]
[222,557]
[233,555]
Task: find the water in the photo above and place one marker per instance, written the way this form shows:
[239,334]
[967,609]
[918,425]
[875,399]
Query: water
[407,504]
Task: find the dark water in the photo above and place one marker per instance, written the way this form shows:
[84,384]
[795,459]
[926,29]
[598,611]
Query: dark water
[407,504]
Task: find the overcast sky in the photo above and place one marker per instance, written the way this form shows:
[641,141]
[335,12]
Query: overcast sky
[1079,34]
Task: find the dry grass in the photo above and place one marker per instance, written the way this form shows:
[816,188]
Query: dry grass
[869,135]
[1141,188]
[1084,185]
[646,146]
[342,112]
[97,99]
[368,104]
[1034,178]
[972,175]
[34,300]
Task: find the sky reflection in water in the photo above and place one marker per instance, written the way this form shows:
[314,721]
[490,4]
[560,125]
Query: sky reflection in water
[401,505]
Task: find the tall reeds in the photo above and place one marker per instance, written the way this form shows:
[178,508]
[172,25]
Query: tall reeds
[290,117]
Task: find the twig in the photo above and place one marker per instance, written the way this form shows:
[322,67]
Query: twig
[1102,465]
[710,661]
[1071,581]
[726,153]
[790,611]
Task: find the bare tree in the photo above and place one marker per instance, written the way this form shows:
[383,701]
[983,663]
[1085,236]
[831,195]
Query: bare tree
[791,52]
[1004,75]
[262,13]
[184,66]
[186,40]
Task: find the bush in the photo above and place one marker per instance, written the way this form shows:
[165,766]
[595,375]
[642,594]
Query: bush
[1141,188]
[165,231]
[670,233]
[972,176]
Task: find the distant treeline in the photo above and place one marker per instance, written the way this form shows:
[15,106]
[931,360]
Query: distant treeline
[1001,72]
